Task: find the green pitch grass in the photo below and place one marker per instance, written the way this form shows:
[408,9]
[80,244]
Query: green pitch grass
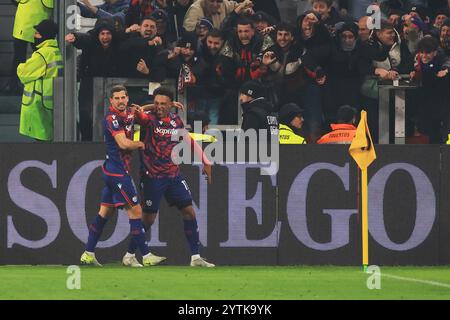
[237,283]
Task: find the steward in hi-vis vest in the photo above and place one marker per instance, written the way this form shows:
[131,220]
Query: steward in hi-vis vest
[291,120]
[37,74]
[29,13]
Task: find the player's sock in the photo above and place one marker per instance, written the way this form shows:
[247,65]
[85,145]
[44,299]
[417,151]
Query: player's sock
[132,247]
[138,235]
[192,235]
[95,231]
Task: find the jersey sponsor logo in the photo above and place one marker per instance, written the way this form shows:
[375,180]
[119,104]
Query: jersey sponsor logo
[163,131]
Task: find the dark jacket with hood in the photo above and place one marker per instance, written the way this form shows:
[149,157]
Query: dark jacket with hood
[255,113]
[96,61]
[396,57]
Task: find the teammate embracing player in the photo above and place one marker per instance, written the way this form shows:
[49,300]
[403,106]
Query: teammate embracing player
[160,176]
[119,190]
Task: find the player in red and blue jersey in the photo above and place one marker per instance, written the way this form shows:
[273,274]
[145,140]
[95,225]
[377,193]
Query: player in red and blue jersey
[119,190]
[160,176]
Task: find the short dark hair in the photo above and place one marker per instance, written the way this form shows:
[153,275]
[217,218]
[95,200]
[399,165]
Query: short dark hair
[215,33]
[345,114]
[118,88]
[284,26]
[148,18]
[428,44]
[164,91]
[245,21]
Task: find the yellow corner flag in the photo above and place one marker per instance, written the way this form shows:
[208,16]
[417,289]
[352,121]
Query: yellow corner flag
[363,151]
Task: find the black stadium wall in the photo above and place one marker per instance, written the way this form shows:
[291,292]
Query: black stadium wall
[305,214]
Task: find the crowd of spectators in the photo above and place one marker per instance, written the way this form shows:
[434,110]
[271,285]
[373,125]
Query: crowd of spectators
[335,53]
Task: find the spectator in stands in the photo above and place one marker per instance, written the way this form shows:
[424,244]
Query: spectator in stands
[291,121]
[213,98]
[37,74]
[413,31]
[163,29]
[142,54]
[137,10]
[262,21]
[395,18]
[189,65]
[28,14]
[344,130]
[328,14]
[440,16]
[177,11]
[363,28]
[214,10]
[99,58]
[202,29]
[432,69]
[256,110]
[348,66]
[108,10]
[444,37]
[420,12]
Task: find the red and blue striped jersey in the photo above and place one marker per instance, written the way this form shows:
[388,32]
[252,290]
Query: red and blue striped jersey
[117,161]
[156,159]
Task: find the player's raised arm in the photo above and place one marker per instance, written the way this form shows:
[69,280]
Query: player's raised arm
[199,152]
[126,144]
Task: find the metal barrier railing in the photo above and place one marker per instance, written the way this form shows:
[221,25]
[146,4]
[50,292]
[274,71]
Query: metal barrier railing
[384,104]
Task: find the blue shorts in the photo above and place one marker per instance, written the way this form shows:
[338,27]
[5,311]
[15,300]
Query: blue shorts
[119,191]
[175,190]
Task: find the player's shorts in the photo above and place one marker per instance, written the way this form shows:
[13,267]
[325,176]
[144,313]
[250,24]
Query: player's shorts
[119,191]
[175,190]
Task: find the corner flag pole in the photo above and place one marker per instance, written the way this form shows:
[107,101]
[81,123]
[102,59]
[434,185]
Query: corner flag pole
[365,220]
[363,152]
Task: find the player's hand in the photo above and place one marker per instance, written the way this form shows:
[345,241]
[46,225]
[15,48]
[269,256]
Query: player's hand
[207,171]
[142,67]
[70,38]
[268,30]
[412,75]
[140,144]
[178,105]
[393,75]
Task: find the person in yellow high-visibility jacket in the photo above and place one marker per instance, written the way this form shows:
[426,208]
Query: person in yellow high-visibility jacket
[37,74]
[29,13]
[291,121]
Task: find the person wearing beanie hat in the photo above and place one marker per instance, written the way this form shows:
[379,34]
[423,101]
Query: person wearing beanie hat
[344,130]
[202,28]
[291,121]
[256,110]
[262,20]
[37,74]
[100,57]
[420,12]
[413,31]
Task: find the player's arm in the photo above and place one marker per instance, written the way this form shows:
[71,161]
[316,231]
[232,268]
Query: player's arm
[126,144]
[199,152]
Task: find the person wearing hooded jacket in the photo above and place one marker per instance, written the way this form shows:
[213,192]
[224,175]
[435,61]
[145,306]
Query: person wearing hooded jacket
[37,74]
[99,58]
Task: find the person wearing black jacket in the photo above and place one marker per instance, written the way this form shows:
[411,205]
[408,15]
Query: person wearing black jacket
[142,55]
[256,110]
[348,67]
[99,58]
